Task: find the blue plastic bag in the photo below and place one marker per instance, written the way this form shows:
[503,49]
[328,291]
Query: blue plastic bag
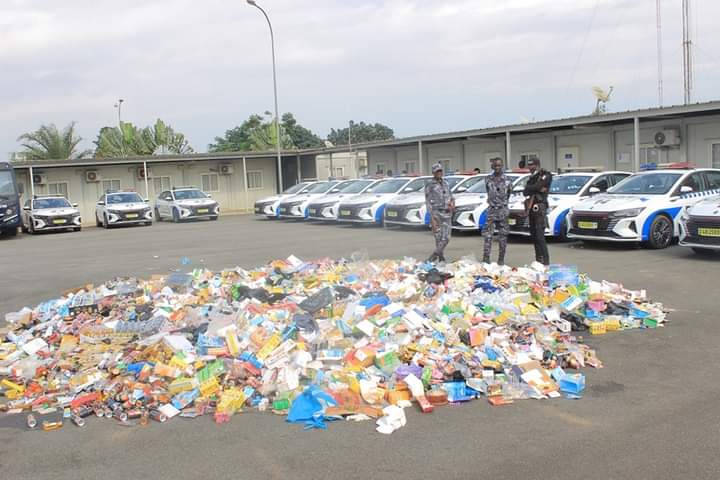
[309,408]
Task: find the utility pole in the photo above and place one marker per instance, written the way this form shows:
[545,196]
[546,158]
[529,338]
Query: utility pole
[659,52]
[350,146]
[687,52]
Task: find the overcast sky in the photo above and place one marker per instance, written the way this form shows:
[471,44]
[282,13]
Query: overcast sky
[419,66]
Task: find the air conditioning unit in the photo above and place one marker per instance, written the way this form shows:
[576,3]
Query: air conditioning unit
[667,138]
[226,169]
[141,173]
[92,176]
[39,179]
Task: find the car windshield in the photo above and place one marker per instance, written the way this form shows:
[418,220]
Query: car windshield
[188,194]
[472,181]
[357,186]
[321,187]
[387,186]
[7,187]
[452,181]
[339,187]
[123,198]
[416,185]
[295,188]
[58,202]
[646,184]
[568,184]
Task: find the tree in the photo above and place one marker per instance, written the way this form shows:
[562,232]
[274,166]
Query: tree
[258,133]
[128,140]
[48,143]
[361,133]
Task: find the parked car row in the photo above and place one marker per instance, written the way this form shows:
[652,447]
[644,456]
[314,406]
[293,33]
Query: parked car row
[653,207]
[116,208]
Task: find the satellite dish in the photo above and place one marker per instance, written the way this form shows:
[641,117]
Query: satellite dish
[602,98]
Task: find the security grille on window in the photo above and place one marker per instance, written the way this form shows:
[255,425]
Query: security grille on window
[58,188]
[255,179]
[160,184]
[716,155]
[110,185]
[209,182]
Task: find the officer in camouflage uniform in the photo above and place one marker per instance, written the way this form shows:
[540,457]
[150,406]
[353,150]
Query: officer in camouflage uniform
[498,188]
[440,204]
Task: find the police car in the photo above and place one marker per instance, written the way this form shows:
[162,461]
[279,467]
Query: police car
[267,206]
[326,207]
[369,206]
[471,207]
[644,207]
[45,213]
[700,223]
[122,208]
[410,209]
[295,206]
[185,203]
[566,190]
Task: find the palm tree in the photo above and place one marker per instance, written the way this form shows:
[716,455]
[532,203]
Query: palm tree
[48,143]
[128,140]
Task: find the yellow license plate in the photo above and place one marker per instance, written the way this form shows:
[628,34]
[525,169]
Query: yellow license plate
[203,210]
[709,232]
[588,225]
[313,211]
[59,221]
[344,212]
[132,215]
[512,221]
[392,214]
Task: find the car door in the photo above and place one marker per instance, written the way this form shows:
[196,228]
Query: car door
[679,199]
[100,207]
[163,203]
[712,181]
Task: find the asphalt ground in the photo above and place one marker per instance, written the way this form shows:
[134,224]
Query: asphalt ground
[652,413]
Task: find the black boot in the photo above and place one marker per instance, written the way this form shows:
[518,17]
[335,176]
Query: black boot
[432,258]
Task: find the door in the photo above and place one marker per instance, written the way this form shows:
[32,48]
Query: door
[568,157]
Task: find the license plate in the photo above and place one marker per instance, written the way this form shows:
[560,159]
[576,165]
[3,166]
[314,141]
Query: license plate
[588,225]
[709,232]
[283,210]
[345,212]
[131,215]
[512,221]
[59,221]
[203,210]
[392,214]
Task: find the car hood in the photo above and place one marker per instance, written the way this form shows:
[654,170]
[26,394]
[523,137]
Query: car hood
[470,199]
[612,203]
[710,207]
[56,211]
[408,199]
[272,198]
[333,197]
[368,198]
[193,202]
[302,197]
[127,206]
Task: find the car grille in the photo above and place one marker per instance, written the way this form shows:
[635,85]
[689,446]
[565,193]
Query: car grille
[209,210]
[605,224]
[287,208]
[349,212]
[318,209]
[260,206]
[140,215]
[522,222]
[50,221]
[697,229]
[396,214]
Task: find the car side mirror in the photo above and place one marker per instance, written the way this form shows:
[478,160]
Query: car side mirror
[101,203]
[593,190]
[686,189]
[518,189]
[461,189]
[146,200]
[209,196]
[27,209]
[407,189]
[21,188]
[74,205]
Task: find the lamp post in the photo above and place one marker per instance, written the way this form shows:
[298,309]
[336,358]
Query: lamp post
[118,105]
[277,115]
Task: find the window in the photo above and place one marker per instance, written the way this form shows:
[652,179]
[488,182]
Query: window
[618,177]
[601,183]
[255,179]
[209,182]
[715,153]
[693,181]
[528,155]
[410,167]
[380,168]
[445,162]
[110,185]
[653,155]
[58,188]
[713,180]
[161,183]
[339,172]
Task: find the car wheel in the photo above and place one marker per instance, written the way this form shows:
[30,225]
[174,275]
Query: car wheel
[158,218]
[31,226]
[214,218]
[10,233]
[661,233]
[77,229]
[176,215]
[563,231]
[105,223]
[703,251]
[98,223]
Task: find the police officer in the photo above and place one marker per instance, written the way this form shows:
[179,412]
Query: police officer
[440,204]
[498,188]
[536,206]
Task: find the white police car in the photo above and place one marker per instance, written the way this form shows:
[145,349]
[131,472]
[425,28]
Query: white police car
[122,208]
[46,213]
[185,203]
[326,207]
[295,206]
[566,190]
[644,207]
[471,207]
[369,206]
[409,208]
[267,206]
[700,223]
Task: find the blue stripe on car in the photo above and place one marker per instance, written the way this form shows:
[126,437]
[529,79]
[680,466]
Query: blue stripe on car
[483,219]
[558,222]
[648,221]
[379,213]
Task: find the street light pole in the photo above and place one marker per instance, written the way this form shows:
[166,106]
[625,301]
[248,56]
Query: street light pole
[118,105]
[277,115]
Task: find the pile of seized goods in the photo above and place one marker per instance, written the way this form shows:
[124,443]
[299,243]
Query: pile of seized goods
[315,341]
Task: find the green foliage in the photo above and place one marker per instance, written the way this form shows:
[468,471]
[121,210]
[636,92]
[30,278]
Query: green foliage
[129,140]
[48,143]
[361,133]
[258,133]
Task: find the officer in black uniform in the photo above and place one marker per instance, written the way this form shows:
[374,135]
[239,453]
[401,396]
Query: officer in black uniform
[536,206]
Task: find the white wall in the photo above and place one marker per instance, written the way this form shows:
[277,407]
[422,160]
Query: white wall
[349,162]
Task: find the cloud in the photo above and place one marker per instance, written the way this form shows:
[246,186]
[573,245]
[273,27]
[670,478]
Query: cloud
[419,66]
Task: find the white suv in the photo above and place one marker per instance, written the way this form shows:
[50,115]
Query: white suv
[185,203]
[50,213]
[122,208]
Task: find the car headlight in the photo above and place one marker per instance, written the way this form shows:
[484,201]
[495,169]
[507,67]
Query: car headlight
[10,211]
[627,213]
